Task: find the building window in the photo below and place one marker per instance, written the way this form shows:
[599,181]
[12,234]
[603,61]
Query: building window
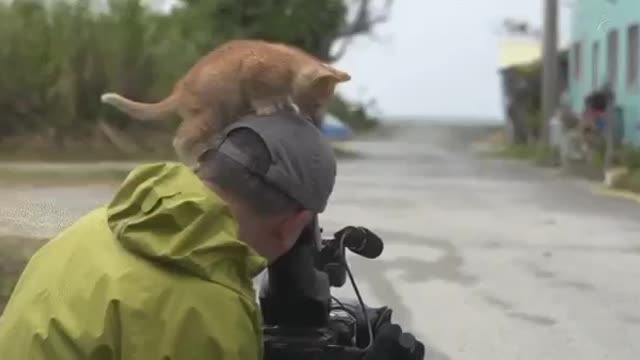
[577,61]
[612,58]
[632,56]
[595,65]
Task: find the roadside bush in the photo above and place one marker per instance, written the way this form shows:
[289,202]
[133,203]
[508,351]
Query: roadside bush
[58,56]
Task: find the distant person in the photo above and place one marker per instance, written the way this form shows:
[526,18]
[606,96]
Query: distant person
[596,105]
[165,270]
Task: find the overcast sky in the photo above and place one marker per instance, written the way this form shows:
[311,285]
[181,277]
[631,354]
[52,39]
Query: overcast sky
[437,57]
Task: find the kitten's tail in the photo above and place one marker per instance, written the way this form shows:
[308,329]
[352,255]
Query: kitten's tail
[141,111]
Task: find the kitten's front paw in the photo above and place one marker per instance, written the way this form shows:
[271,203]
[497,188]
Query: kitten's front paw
[266,109]
[290,104]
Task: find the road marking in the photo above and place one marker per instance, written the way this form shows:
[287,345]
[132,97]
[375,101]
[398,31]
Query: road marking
[622,194]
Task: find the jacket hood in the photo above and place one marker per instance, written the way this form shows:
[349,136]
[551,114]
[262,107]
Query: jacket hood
[165,213]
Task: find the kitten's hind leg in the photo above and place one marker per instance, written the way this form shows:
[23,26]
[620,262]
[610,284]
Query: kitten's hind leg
[191,140]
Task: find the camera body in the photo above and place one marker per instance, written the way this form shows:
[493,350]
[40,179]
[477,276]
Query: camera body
[301,318]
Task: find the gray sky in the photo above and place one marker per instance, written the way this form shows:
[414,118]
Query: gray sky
[437,57]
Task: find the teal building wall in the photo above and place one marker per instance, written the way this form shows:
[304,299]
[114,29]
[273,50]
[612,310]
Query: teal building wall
[604,44]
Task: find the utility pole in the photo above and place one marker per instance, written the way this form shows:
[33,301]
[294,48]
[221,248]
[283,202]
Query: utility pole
[549,90]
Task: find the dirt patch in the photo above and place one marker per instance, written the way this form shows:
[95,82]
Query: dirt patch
[15,252]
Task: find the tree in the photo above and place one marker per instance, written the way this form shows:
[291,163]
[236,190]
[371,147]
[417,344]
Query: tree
[312,25]
[59,56]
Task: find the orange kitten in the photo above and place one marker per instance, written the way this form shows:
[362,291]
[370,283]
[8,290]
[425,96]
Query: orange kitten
[237,78]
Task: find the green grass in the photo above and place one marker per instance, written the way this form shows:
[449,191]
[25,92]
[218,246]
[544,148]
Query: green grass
[540,155]
[634,180]
[630,182]
[15,252]
[81,153]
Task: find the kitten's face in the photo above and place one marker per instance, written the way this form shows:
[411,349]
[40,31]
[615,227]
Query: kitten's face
[316,94]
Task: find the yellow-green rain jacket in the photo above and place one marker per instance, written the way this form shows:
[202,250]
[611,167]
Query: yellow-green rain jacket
[156,274]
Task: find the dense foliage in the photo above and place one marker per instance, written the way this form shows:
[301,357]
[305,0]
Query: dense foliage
[57,57]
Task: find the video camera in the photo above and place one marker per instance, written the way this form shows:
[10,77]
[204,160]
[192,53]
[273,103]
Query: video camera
[302,320]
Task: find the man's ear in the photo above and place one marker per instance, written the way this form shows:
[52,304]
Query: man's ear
[293,225]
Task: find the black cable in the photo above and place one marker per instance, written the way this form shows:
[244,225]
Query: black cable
[349,312]
[339,303]
[343,308]
[355,289]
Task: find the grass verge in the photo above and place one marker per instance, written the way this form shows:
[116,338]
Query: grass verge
[73,173]
[539,155]
[629,181]
[61,176]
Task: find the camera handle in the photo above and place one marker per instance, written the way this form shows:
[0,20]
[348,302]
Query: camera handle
[296,302]
[295,294]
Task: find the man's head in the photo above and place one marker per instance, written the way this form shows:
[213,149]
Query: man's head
[276,172]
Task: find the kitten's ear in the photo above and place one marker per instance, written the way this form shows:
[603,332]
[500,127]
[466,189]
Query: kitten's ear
[327,72]
[324,79]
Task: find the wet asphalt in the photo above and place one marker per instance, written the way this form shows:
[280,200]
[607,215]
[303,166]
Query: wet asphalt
[491,259]
[484,258]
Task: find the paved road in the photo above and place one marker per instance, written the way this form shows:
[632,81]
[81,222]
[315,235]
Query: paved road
[484,259]
[493,260]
